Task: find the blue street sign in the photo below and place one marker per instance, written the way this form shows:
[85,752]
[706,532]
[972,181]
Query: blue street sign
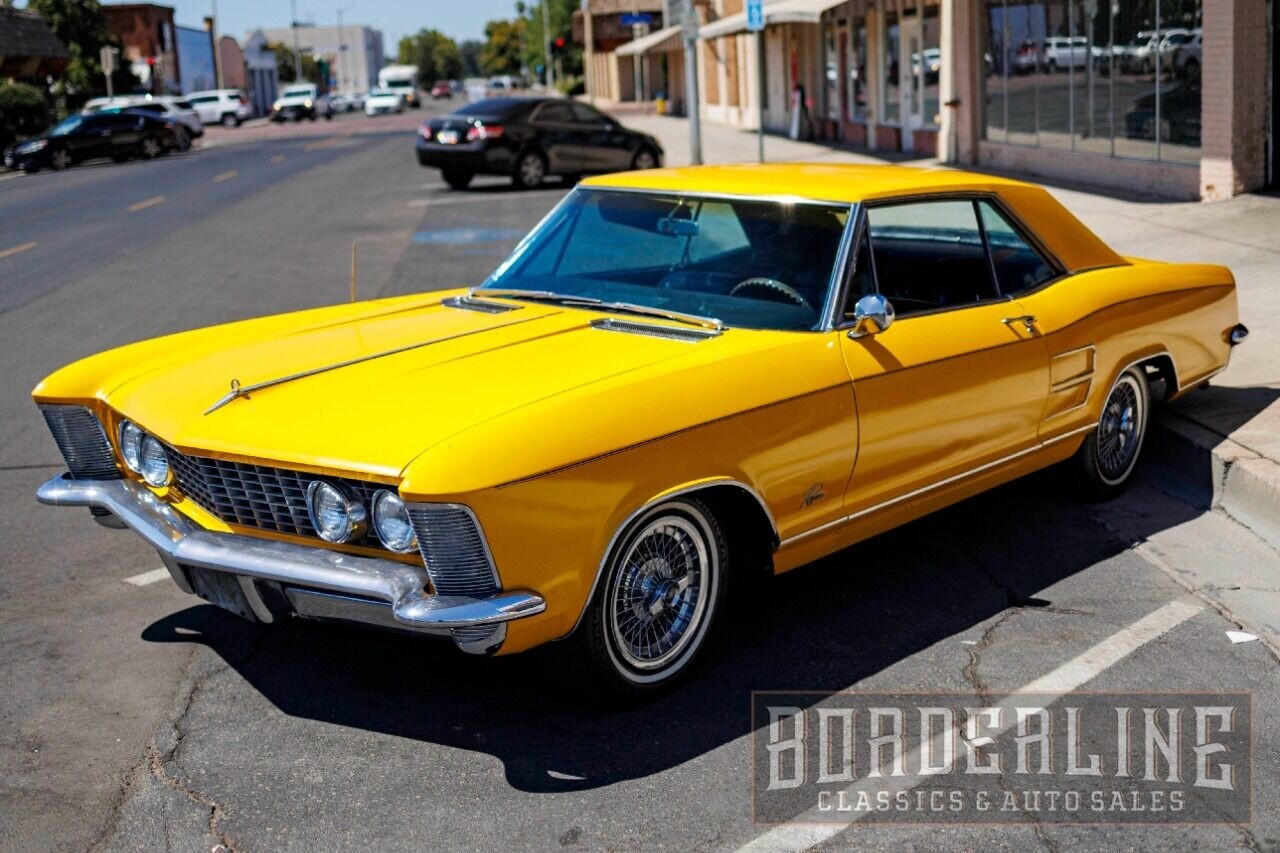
[630,20]
[755,15]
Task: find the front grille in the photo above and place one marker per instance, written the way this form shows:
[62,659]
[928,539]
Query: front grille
[259,495]
[82,441]
[453,550]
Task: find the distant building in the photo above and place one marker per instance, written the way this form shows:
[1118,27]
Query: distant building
[262,76]
[28,48]
[196,70]
[354,52]
[146,30]
[231,58]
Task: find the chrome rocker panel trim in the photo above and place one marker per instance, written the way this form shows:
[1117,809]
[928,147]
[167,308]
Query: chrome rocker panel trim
[182,543]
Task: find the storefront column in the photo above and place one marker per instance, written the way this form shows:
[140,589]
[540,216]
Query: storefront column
[1233,116]
[875,74]
[960,82]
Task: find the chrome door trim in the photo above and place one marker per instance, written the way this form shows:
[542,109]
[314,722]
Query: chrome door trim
[841,270]
[617,533]
[932,486]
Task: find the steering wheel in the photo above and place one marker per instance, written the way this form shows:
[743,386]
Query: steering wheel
[773,286]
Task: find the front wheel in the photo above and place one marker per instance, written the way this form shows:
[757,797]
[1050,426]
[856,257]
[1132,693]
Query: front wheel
[230,120]
[653,607]
[181,139]
[150,148]
[60,160]
[1105,462]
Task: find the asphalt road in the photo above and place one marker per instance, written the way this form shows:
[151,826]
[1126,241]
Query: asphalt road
[133,716]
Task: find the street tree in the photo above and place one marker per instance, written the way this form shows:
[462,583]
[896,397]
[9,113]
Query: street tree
[285,66]
[79,24]
[502,49]
[435,54]
[470,50]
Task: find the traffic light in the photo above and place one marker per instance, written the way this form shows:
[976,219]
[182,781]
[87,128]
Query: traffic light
[557,47]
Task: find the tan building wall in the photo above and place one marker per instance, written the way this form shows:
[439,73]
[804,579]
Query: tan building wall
[1234,100]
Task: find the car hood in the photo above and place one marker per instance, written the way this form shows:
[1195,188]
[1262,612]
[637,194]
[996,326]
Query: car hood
[369,392]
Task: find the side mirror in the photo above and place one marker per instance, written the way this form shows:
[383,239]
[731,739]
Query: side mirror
[872,314]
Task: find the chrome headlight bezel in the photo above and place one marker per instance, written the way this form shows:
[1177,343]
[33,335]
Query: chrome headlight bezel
[129,438]
[390,507]
[355,518]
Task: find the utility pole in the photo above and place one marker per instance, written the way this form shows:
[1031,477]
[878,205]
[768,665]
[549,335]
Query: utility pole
[549,77]
[689,25]
[589,53]
[297,51]
[217,49]
[342,54]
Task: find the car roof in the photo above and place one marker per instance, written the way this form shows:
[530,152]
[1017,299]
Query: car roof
[1065,236]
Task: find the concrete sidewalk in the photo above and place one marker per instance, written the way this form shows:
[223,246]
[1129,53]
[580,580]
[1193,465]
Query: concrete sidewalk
[1227,436]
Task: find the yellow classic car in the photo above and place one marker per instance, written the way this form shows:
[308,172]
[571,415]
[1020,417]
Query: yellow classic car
[679,378]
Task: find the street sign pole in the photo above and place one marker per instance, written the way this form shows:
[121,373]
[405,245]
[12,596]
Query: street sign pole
[689,25]
[755,23]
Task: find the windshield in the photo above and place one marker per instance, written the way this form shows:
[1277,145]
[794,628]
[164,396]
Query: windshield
[398,82]
[750,263]
[67,125]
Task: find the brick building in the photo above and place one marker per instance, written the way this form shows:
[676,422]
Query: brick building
[1173,97]
[149,39]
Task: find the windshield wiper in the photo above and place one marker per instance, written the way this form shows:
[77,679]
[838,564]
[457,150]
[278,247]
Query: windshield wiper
[591,302]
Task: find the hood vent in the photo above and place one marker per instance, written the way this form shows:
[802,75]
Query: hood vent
[471,303]
[669,332]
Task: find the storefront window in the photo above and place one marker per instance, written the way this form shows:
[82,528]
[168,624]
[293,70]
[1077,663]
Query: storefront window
[831,75]
[1119,78]
[892,99]
[930,67]
[858,73]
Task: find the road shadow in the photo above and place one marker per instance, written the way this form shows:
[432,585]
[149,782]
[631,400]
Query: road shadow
[827,626]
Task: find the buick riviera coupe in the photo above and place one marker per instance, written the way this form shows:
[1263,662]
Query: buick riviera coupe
[679,378]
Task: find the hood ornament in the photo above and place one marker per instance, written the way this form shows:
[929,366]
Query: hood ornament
[228,397]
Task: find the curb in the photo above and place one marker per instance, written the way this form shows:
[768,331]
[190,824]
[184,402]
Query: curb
[1221,473]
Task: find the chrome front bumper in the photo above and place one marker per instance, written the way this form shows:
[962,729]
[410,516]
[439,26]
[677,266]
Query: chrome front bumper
[316,582]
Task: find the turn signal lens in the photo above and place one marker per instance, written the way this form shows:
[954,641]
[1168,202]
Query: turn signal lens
[484,131]
[391,521]
[131,445]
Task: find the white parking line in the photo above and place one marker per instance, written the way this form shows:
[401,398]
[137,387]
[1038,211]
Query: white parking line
[225,176]
[18,249]
[148,577]
[143,205]
[804,831]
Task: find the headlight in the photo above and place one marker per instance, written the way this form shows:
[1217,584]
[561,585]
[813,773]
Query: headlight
[155,463]
[32,147]
[307,103]
[131,445]
[335,517]
[391,521]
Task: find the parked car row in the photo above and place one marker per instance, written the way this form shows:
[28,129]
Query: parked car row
[1172,51]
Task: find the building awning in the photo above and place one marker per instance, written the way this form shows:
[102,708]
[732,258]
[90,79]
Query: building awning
[778,12]
[28,48]
[660,41]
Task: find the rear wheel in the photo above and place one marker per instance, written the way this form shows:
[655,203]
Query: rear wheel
[181,139]
[654,606]
[644,159]
[1105,462]
[530,171]
[230,120]
[457,179]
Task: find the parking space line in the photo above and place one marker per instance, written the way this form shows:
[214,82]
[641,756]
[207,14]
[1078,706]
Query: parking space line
[279,158]
[143,205]
[225,176]
[804,831]
[16,249]
[148,577]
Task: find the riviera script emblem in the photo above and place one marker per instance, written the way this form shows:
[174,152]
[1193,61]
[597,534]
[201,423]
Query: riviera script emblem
[814,495]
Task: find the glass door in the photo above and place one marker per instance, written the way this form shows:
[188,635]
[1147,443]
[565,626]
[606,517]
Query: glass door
[911,49]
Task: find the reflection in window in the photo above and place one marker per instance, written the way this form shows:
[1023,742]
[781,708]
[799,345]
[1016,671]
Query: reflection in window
[1119,78]
[831,77]
[892,93]
[930,67]
[858,73]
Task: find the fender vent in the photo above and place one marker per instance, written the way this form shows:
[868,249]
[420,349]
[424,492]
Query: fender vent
[82,442]
[470,303]
[453,549]
[654,331]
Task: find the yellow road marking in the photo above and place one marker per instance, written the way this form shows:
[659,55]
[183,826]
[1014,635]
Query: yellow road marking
[143,205]
[279,158]
[225,176]
[16,249]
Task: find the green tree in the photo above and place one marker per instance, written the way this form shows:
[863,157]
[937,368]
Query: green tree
[470,50]
[503,46]
[560,15]
[80,26]
[285,66]
[434,53]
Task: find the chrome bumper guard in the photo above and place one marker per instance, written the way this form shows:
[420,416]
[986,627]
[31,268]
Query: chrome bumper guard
[317,582]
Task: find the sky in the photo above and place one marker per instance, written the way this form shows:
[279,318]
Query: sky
[461,19]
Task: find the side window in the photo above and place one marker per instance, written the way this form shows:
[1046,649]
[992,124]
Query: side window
[929,255]
[554,112]
[586,115]
[1018,266]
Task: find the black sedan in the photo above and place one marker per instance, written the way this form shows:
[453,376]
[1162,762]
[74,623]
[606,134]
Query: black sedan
[530,138]
[118,135]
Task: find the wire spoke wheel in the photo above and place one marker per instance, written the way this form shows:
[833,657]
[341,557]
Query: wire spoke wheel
[661,593]
[1120,430]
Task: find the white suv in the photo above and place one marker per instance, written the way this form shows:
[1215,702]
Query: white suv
[227,107]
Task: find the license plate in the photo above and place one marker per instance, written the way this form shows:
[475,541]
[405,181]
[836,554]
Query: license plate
[447,137]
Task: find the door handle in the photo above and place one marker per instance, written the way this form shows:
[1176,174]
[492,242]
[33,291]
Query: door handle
[1027,320]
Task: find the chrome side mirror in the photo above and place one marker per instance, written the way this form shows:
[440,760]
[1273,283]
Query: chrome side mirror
[872,314]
